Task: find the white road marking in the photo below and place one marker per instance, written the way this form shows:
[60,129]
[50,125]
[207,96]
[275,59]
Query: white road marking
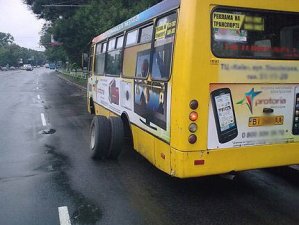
[38,97]
[42,116]
[37,88]
[64,217]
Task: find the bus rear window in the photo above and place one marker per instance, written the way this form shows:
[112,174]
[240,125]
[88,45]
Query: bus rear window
[255,34]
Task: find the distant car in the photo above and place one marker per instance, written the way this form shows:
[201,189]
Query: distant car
[4,68]
[38,66]
[47,65]
[12,68]
[28,67]
[52,66]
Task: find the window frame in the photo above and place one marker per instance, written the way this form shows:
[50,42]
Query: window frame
[117,38]
[244,10]
[138,28]
[114,49]
[91,61]
[140,32]
[102,48]
[108,44]
[101,52]
[126,37]
[173,46]
[154,23]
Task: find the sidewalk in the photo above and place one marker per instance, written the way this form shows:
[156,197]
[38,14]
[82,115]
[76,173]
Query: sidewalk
[76,79]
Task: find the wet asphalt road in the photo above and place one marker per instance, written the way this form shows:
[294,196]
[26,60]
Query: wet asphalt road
[40,172]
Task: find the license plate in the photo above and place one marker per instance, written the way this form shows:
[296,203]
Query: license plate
[265,121]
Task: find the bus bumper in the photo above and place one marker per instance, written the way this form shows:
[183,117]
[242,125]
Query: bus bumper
[211,162]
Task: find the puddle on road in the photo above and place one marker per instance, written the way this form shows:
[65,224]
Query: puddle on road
[47,131]
[86,214]
[50,148]
[56,162]
[82,211]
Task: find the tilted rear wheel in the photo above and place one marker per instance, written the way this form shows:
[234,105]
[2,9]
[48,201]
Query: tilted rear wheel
[117,137]
[100,136]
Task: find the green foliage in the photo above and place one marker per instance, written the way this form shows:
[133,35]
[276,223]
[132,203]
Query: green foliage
[53,13]
[5,39]
[11,53]
[79,25]
[53,54]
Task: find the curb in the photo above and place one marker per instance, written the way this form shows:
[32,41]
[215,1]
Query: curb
[70,82]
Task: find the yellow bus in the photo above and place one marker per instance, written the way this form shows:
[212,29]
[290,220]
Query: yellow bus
[200,87]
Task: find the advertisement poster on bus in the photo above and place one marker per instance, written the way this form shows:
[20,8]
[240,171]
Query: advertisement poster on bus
[248,115]
[145,102]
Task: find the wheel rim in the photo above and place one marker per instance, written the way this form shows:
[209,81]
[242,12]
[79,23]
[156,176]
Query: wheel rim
[92,138]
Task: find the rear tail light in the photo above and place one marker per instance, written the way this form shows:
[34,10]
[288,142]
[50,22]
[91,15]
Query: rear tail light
[193,127]
[193,104]
[193,116]
[192,139]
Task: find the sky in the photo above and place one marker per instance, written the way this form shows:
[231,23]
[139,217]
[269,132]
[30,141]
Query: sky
[18,20]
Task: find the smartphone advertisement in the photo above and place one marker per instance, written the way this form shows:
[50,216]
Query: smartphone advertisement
[248,115]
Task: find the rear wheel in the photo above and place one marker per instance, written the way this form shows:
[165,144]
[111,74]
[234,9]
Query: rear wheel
[100,136]
[117,137]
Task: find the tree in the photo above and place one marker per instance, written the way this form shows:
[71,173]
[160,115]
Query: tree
[53,53]
[6,39]
[53,13]
[79,25]
[11,53]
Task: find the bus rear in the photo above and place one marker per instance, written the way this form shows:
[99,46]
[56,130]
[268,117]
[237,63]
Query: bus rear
[235,91]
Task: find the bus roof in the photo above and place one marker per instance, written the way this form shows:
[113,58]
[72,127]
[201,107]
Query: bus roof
[156,10]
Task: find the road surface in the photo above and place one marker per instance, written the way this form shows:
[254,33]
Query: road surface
[44,165]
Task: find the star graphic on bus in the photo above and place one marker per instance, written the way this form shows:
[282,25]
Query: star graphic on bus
[248,100]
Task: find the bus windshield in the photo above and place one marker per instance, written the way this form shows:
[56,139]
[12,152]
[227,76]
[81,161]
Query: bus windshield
[239,33]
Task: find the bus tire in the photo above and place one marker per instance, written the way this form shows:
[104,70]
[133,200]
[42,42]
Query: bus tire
[99,137]
[117,137]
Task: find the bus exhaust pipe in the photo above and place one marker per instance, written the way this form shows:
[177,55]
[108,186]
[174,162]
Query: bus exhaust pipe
[229,176]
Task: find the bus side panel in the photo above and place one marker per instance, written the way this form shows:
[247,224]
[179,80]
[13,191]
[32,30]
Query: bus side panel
[162,156]
[99,110]
[154,150]
[144,143]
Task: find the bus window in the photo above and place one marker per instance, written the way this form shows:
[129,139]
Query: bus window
[111,44]
[146,34]
[99,59]
[144,57]
[163,47]
[113,59]
[104,48]
[120,42]
[255,34]
[132,37]
[138,60]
